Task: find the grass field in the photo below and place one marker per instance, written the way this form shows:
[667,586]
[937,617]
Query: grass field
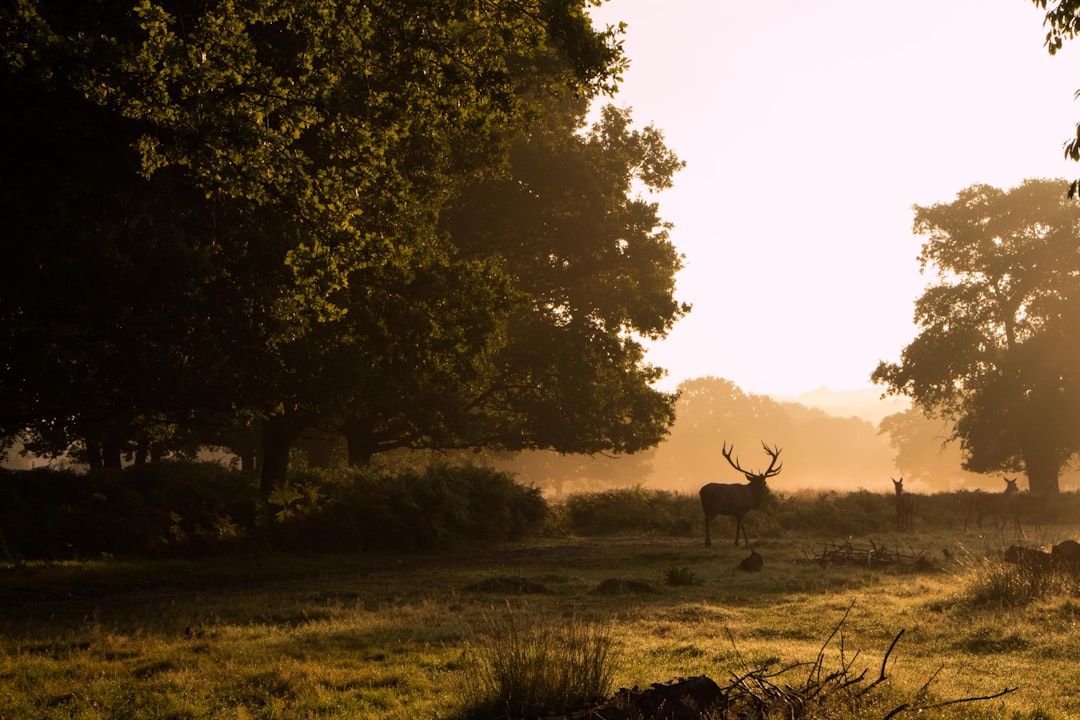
[407,636]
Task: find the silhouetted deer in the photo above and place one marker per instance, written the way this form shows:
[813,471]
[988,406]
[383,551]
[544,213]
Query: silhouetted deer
[1001,505]
[752,563]
[905,506]
[737,499]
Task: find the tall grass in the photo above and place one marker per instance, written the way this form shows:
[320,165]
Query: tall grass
[990,582]
[528,666]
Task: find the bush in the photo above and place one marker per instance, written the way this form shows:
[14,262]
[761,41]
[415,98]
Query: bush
[439,507]
[163,508]
[191,508]
[631,510]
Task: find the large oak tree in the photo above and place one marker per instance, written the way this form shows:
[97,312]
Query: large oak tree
[998,353]
[240,211]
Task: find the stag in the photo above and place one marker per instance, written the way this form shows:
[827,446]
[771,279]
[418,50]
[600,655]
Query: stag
[737,499]
[905,505]
[1001,505]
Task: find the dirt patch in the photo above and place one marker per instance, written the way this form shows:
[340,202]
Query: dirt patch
[617,586]
[508,586]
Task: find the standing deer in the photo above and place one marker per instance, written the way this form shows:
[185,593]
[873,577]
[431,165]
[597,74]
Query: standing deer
[1002,505]
[737,499]
[905,505]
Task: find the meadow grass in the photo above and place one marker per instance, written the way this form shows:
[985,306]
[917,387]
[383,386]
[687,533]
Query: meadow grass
[414,636]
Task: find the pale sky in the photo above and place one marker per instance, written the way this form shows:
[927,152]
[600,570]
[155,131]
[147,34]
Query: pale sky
[810,128]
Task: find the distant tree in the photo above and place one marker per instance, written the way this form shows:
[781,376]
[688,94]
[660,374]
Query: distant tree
[922,453]
[560,473]
[820,450]
[998,354]
[711,411]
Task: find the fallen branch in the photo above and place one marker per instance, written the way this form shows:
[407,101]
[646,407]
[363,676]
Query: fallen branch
[757,694]
[849,553]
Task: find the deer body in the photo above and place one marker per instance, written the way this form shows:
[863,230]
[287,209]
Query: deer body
[905,506]
[736,499]
[1002,505]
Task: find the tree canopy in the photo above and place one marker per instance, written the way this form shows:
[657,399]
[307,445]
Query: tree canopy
[1063,23]
[998,353]
[385,218]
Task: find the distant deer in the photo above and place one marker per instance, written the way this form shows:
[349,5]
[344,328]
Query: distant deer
[737,499]
[1002,505]
[905,506]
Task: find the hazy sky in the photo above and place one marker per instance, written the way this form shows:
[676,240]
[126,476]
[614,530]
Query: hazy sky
[810,128]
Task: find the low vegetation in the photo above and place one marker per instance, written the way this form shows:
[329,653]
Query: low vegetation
[493,622]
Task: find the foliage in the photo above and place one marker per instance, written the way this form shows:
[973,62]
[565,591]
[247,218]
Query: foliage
[629,510]
[174,508]
[681,576]
[923,453]
[438,508]
[1063,21]
[527,667]
[177,509]
[998,346]
[263,221]
[151,510]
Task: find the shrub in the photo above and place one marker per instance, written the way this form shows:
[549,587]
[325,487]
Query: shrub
[434,508]
[631,510]
[163,508]
[192,508]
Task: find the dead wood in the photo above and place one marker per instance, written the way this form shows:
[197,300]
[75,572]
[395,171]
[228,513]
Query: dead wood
[870,555]
[760,693]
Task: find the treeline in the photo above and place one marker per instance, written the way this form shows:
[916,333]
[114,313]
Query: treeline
[821,450]
[195,510]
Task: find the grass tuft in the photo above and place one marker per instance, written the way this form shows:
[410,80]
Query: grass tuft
[993,583]
[681,576]
[527,667]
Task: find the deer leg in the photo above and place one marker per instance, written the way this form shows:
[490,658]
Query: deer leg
[708,521]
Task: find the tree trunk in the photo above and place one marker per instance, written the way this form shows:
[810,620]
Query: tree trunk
[1042,478]
[361,442]
[1042,465]
[244,444]
[278,433]
[321,446]
[93,455]
[142,451]
[111,455]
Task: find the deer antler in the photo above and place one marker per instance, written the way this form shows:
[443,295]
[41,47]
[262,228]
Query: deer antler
[734,463]
[774,453]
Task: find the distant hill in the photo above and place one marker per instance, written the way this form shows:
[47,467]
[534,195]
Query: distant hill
[865,404]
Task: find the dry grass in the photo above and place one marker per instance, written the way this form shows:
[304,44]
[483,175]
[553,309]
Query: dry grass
[398,637]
